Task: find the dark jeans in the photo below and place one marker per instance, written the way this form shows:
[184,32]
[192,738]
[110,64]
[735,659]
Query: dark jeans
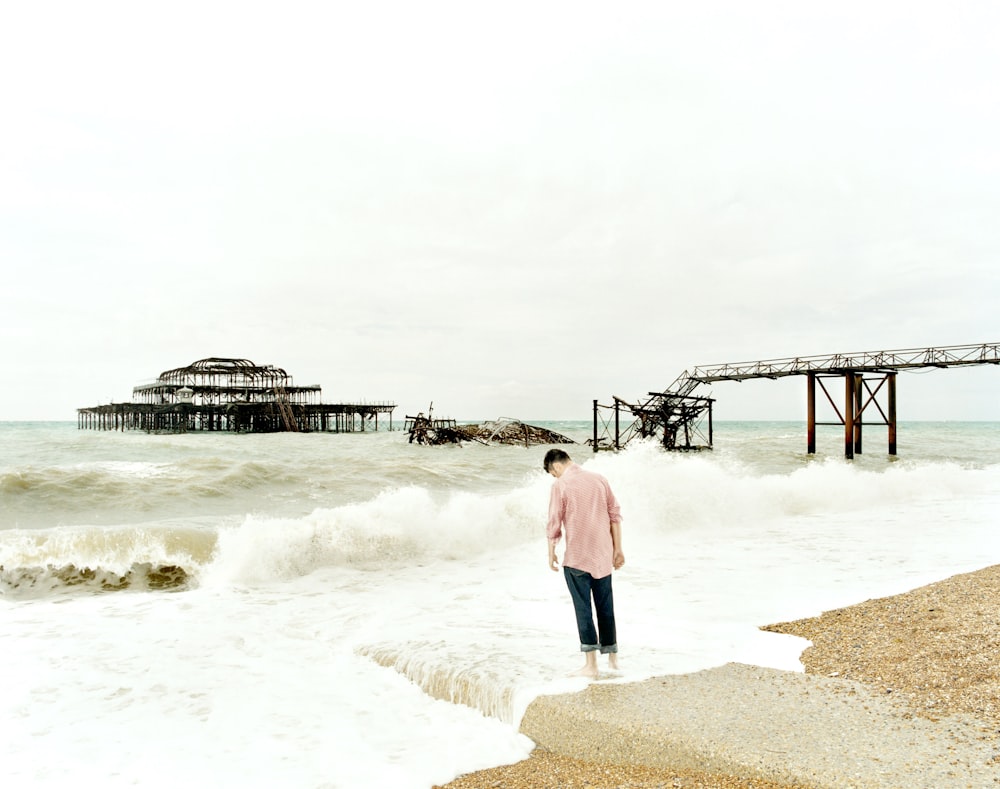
[582,586]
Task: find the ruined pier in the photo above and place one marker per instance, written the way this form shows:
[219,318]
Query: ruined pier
[677,418]
[235,395]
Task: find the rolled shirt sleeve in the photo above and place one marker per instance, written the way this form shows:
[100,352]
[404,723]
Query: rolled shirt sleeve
[614,510]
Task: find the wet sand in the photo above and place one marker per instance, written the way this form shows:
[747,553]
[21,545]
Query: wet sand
[901,691]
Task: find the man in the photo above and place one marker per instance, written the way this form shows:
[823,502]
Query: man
[584,510]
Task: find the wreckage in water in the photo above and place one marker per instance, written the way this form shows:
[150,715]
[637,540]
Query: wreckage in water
[427,430]
[235,395]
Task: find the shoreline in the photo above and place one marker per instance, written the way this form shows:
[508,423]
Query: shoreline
[897,691]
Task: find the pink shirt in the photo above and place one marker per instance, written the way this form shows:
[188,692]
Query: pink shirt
[583,506]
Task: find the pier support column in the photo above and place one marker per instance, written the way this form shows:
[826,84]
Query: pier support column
[811,413]
[595,426]
[849,416]
[859,401]
[891,412]
[618,424]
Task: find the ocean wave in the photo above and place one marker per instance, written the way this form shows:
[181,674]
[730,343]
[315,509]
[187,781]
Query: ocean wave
[98,558]
[112,492]
[403,525]
[49,581]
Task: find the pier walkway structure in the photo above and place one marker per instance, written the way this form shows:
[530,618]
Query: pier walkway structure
[235,395]
[679,418]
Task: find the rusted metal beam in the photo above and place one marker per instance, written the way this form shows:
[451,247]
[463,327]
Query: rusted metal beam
[811,414]
[891,415]
[864,361]
[596,444]
[872,395]
[849,416]
[858,412]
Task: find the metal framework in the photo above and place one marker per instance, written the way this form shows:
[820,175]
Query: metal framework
[839,363]
[679,420]
[235,395]
[866,375]
[859,396]
[213,381]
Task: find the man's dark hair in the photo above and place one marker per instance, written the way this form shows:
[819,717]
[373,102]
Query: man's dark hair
[554,456]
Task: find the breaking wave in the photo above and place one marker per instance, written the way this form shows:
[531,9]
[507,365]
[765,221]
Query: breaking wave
[28,582]
[63,560]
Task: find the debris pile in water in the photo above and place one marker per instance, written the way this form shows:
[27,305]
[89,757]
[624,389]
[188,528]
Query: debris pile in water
[512,431]
[427,430]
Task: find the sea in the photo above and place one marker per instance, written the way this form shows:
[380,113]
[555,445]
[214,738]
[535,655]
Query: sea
[352,610]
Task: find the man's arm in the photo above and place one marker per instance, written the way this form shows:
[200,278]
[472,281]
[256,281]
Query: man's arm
[616,542]
[553,529]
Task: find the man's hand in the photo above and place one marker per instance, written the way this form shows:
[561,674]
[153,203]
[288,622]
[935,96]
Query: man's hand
[553,559]
[618,556]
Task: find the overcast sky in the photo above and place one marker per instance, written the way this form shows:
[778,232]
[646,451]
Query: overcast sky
[509,209]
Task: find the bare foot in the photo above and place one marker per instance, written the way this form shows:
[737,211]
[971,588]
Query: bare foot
[589,668]
[613,661]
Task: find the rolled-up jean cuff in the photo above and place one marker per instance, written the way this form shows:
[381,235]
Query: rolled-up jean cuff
[590,647]
[611,648]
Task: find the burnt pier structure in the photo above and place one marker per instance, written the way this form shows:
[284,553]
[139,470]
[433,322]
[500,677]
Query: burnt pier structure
[868,382]
[235,395]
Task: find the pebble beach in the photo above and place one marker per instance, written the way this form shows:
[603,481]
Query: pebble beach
[902,691]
